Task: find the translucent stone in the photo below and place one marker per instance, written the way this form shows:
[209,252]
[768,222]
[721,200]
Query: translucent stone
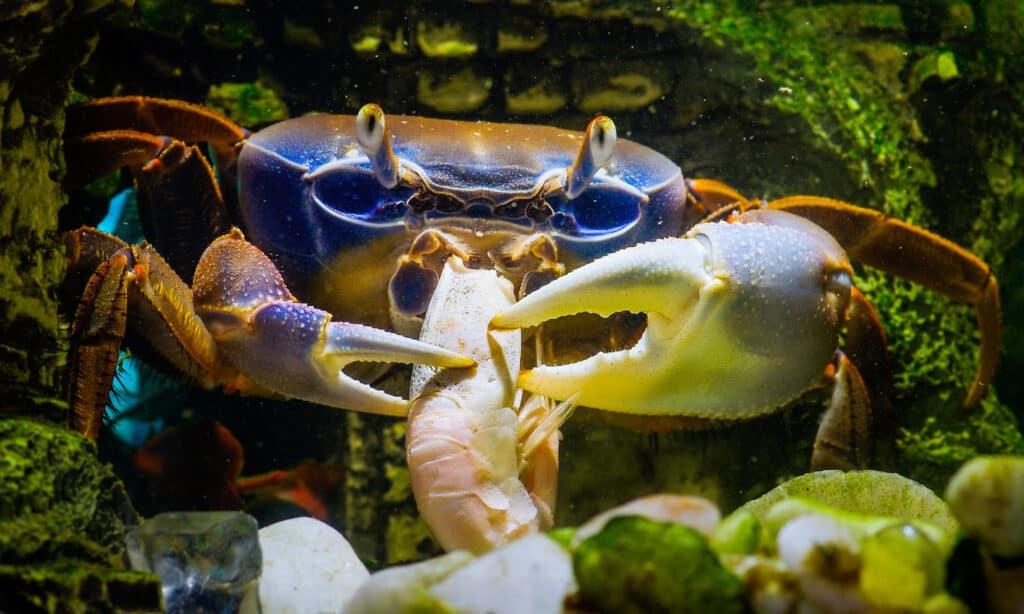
[207,561]
[901,568]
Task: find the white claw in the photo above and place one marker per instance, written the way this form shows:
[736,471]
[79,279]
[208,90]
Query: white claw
[741,318]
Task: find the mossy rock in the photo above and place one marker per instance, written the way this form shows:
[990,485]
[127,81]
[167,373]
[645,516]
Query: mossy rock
[874,493]
[640,565]
[56,498]
[70,586]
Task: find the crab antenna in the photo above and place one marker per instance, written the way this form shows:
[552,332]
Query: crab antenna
[372,136]
[598,147]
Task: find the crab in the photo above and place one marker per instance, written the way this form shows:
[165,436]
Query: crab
[363,216]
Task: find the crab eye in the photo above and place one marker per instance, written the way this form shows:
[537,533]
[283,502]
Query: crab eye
[599,212]
[357,196]
[602,140]
[370,128]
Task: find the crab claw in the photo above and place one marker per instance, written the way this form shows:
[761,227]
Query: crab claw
[292,348]
[740,319]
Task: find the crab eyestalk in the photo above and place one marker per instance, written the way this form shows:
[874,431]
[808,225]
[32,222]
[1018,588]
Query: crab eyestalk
[596,150]
[373,138]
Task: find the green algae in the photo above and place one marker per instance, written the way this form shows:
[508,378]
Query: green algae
[738,533]
[63,515]
[639,565]
[247,104]
[68,586]
[56,498]
[941,436]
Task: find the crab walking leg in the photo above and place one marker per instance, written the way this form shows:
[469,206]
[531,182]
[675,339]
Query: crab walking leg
[461,439]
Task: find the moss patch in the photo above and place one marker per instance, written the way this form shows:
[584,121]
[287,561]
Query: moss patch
[56,498]
[639,565]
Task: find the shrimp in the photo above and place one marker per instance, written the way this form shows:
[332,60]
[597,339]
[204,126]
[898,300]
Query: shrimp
[483,474]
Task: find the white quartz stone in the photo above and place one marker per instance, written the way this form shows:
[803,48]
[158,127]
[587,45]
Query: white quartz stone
[308,567]
[532,574]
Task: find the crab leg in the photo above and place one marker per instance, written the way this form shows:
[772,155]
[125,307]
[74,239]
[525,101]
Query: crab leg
[466,447]
[843,440]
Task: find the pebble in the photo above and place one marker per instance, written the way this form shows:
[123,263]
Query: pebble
[307,567]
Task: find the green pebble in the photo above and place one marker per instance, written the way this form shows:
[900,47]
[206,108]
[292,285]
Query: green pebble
[738,533]
[640,565]
[900,567]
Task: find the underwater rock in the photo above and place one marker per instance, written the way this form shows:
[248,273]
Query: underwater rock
[861,526]
[826,557]
[769,585]
[207,561]
[696,513]
[56,498]
[987,496]
[875,493]
[532,574]
[405,588]
[307,567]
[63,513]
[739,533]
[901,568]
[848,562]
[639,565]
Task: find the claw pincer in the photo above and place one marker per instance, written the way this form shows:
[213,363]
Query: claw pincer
[741,318]
[289,347]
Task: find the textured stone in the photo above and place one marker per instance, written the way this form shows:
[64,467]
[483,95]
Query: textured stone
[307,567]
[532,574]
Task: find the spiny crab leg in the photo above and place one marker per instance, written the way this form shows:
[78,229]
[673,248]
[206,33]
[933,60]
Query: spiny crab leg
[292,348]
[741,317]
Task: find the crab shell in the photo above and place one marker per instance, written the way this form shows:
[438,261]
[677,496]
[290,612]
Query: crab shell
[309,198]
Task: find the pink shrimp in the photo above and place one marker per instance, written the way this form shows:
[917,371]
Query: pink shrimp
[482,474]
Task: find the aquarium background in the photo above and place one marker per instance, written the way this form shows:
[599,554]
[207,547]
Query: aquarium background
[913,108]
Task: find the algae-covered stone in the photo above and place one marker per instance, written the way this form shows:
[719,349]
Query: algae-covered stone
[405,588]
[697,513]
[874,493]
[738,533]
[861,526]
[62,515]
[987,496]
[639,565]
[900,568]
[248,104]
[56,498]
[71,586]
